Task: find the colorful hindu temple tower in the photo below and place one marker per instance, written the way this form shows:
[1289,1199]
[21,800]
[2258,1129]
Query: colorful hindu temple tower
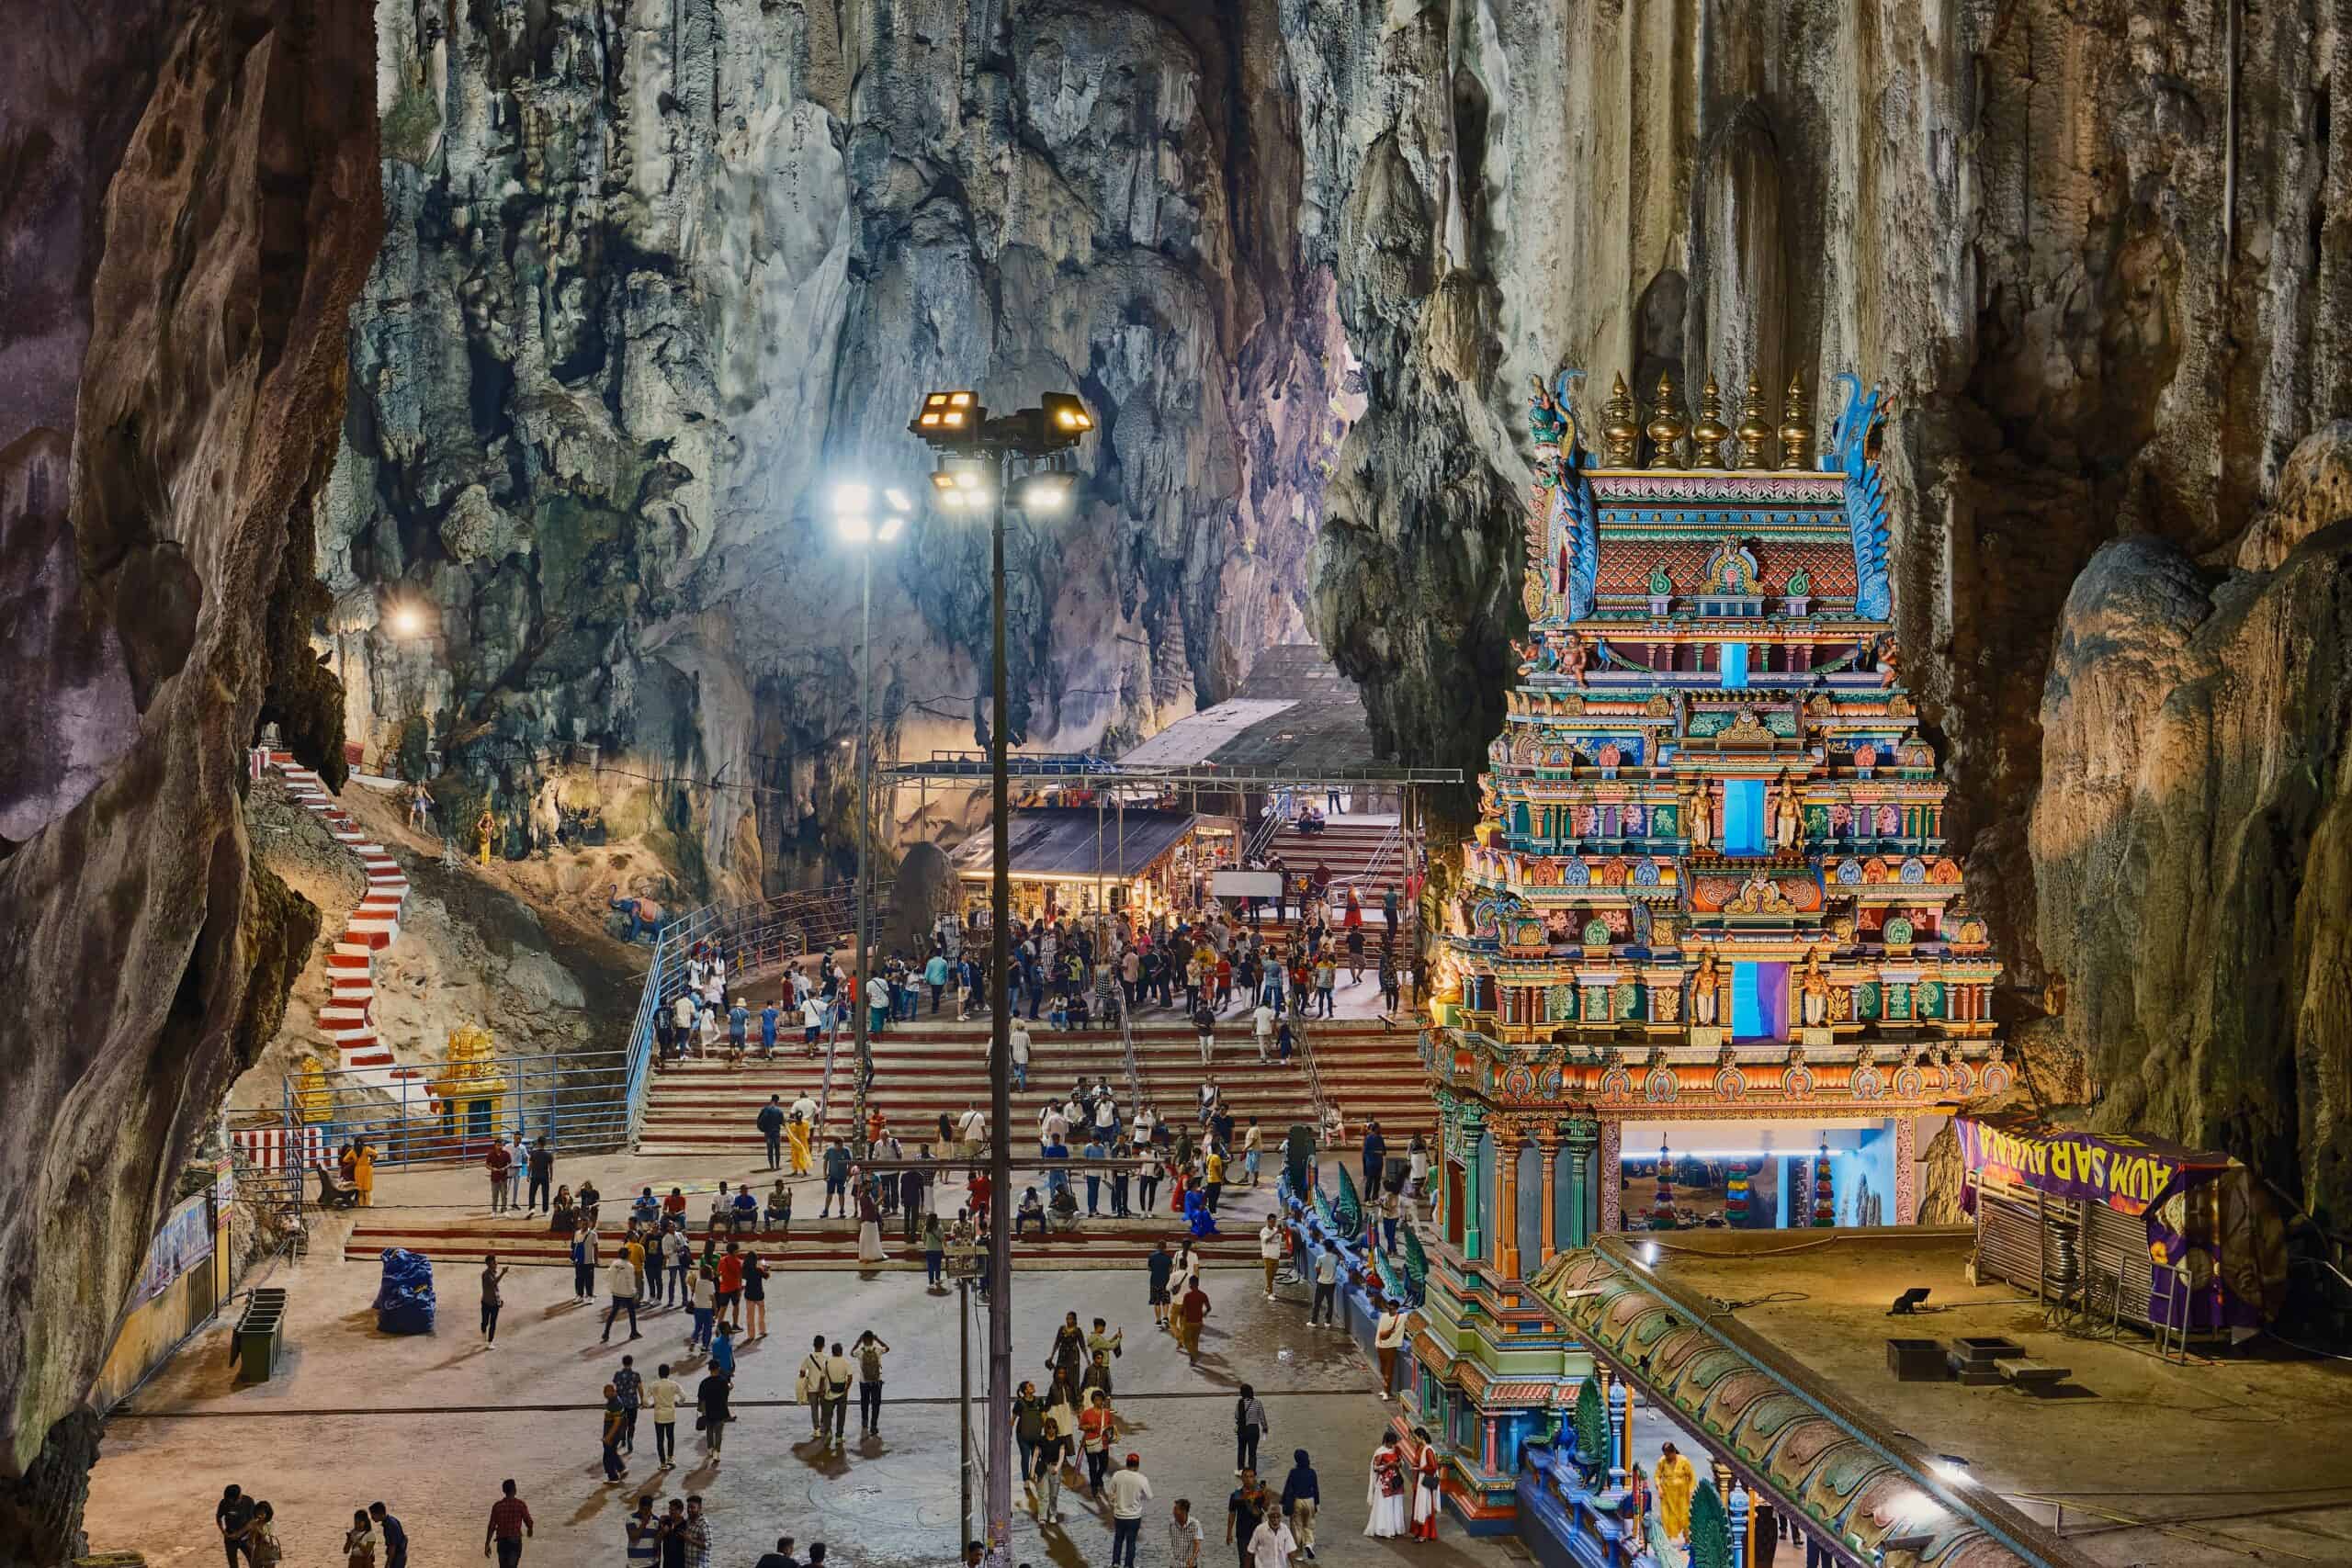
[1708,961]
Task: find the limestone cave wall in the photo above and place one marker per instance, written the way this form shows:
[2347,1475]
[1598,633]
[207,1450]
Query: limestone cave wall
[657,275]
[187,207]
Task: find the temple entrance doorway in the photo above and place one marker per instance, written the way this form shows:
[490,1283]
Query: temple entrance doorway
[1762,1174]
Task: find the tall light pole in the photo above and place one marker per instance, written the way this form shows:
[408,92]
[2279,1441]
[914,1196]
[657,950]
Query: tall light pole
[861,524]
[974,455]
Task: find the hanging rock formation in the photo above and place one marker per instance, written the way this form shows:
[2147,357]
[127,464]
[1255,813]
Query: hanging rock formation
[191,198]
[657,276]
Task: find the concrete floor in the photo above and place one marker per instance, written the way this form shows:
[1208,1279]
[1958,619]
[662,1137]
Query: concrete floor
[431,1424]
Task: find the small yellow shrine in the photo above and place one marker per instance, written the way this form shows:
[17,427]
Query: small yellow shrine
[469,1086]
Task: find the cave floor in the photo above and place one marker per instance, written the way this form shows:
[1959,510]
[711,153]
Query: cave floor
[2241,1457]
[431,1424]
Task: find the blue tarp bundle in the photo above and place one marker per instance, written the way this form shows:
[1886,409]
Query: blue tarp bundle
[404,1300]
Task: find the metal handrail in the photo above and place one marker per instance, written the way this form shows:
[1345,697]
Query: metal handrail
[825,1088]
[1127,1049]
[763,937]
[575,1102]
[1314,1075]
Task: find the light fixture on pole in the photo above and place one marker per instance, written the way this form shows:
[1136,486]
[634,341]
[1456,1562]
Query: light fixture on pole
[973,452]
[862,519]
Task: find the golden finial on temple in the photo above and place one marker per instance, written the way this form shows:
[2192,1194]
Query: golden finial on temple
[1619,432]
[1708,436]
[1796,431]
[1754,431]
[1665,425]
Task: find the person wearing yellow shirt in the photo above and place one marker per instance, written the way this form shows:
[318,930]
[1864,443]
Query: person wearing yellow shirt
[1676,1483]
[1213,1178]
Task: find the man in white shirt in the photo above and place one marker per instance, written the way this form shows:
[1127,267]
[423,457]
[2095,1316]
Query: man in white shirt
[1272,1545]
[1145,1122]
[1056,1125]
[620,1282]
[1388,1335]
[971,1131]
[1273,1242]
[1264,1020]
[1128,1491]
[1019,1044]
[663,1394]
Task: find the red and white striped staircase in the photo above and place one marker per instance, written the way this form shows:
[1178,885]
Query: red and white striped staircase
[348,1019]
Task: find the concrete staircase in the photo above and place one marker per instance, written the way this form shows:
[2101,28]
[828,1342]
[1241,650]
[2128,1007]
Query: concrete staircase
[936,1067]
[348,1022]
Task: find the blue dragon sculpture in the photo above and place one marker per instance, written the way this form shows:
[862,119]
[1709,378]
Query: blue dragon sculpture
[1866,517]
[1572,567]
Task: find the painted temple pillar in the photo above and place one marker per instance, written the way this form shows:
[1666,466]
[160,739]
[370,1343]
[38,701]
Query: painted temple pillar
[1583,1136]
[1474,1184]
[1507,1200]
[1907,1168]
[1612,1179]
[1548,1147]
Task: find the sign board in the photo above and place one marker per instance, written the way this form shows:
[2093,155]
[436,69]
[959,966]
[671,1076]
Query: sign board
[1246,884]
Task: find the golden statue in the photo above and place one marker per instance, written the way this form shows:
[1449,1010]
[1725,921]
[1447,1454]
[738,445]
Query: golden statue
[1754,431]
[1620,434]
[485,828]
[1708,436]
[1796,431]
[1815,988]
[1665,425]
[1692,797]
[1704,982]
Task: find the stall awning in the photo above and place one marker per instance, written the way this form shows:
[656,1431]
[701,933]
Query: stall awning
[1079,844]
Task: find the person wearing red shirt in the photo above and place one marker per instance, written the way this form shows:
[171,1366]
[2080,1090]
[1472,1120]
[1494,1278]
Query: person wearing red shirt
[501,1165]
[731,1284]
[510,1521]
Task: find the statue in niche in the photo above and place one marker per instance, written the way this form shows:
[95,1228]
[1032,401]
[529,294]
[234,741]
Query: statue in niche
[1573,656]
[1703,983]
[1787,816]
[1815,988]
[1696,812]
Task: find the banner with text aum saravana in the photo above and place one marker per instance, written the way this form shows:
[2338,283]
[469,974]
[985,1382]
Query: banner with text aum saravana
[2126,1174]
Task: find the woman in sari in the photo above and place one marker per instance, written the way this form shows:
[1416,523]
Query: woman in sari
[1426,1495]
[1385,1496]
[1068,1358]
[797,1131]
[869,1230]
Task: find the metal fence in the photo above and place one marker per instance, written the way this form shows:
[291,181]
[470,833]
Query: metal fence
[576,1101]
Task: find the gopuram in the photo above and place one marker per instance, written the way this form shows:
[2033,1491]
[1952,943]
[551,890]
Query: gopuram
[1707,962]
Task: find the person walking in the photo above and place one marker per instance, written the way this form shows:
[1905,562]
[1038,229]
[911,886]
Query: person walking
[1184,1536]
[510,1522]
[1046,1476]
[1327,1289]
[871,1348]
[609,1431]
[1098,1426]
[644,1531]
[1375,1153]
[869,1230]
[1191,1313]
[771,1125]
[492,1298]
[703,1302]
[808,1385]
[632,1388]
[663,1394]
[755,1297]
[1146,1175]
[541,1166]
[620,1282]
[1302,1495]
[1271,1543]
[1273,1244]
[1253,1150]
[711,1403]
[935,1255]
[1245,1509]
[1250,1422]
[1204,1030]
[233,1516]
[1128,1491]
[836,1180]
[838,1376]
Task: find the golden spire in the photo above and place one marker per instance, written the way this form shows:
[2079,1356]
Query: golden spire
[1708,436]
[1796,431]
[1619,431]
[1666,425]
[1753,431]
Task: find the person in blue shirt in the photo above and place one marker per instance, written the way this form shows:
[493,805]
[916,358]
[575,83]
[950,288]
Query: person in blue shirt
[722,1349]
[395,1538]
[1301,1497]
[934,974]
[1058,1177]
[767,1030]
[738,1018]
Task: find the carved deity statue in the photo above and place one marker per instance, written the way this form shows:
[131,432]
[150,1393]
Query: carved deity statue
[1573,656]
[1787,817]
[1815,989]
[1696,813]
[1703,983]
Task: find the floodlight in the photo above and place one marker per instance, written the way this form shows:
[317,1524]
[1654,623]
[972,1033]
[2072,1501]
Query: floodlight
[855,530]
[406,620]
[891,527]
[947,417]
[898,500]
[1047,492]
[1065,416]
[852,498]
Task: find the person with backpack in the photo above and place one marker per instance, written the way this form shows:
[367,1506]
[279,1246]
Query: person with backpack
[711,1402]
[870,1351]
[809,1386]
[838,1375]
[1250,1422]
